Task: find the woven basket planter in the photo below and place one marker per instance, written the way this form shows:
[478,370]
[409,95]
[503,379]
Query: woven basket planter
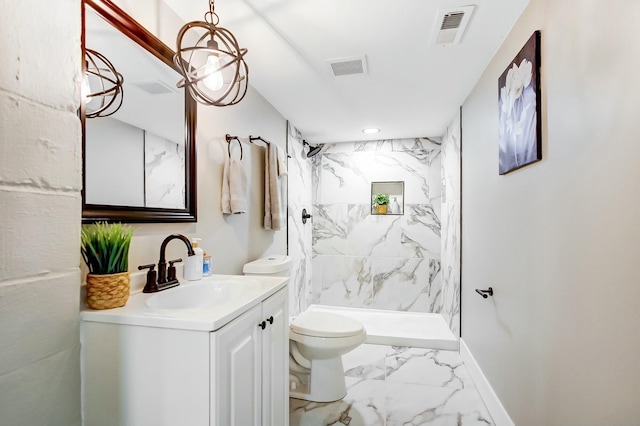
[108,291]
[381,209]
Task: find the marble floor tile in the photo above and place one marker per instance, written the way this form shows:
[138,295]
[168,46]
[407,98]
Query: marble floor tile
[409,404]
[427,367]
[366,362]
[392,385]
[363,406]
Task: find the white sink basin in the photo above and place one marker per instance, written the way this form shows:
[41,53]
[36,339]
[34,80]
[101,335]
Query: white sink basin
[204,305]
[198,295]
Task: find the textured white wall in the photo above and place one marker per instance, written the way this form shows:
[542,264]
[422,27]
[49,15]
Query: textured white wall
[558,240]
[40,180]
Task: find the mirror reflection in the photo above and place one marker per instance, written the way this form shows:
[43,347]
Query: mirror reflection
[387,198]
[139,159]
[136,156]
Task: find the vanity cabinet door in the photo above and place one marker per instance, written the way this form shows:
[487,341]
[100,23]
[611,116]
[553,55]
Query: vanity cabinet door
[275,360]
[250,367]
[236,374]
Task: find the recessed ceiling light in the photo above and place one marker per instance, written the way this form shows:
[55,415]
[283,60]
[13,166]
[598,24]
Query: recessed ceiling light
[371,131]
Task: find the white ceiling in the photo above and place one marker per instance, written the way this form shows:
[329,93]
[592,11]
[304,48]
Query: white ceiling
[413,87]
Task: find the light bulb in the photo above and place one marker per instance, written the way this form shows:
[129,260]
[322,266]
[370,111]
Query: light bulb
[85,90]
[213,79]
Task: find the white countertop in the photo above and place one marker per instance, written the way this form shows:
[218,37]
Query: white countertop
[246,292]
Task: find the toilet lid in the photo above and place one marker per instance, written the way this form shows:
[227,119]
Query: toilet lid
[323,324]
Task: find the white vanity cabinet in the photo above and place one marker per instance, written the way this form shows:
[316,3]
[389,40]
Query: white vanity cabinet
[138,374]
[249,380]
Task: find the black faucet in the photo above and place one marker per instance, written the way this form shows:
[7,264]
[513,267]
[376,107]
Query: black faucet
[163,282]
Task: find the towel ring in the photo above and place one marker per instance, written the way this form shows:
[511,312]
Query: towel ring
[230,138]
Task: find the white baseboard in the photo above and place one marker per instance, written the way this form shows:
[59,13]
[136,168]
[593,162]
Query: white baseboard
[489,397]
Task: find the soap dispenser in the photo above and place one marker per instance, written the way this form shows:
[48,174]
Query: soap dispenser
[193,265]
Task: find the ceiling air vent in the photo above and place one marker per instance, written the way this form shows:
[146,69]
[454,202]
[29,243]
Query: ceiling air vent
[451,24]
[348,66]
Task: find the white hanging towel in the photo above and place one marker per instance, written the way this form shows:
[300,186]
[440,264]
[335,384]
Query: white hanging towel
[234,187]
[225,198]
[274,167]
[237,187]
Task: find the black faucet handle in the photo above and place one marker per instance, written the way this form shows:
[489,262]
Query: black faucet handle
[149,266]
[152,278]
[171,272]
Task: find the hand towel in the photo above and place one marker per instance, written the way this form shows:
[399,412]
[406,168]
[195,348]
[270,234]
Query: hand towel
[237,187]
[282,165]
[225,198]
[272,212]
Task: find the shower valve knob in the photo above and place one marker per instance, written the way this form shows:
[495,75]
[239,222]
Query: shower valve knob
[305,216]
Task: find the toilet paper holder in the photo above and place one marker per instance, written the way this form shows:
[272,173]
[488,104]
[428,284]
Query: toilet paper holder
[485,293]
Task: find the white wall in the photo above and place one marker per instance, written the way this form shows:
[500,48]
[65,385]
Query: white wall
[40,207]
[558,240]
[114,142]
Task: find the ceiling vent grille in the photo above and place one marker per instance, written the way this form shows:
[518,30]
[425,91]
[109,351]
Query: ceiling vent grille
[451,24]
[348,66]
[451,21]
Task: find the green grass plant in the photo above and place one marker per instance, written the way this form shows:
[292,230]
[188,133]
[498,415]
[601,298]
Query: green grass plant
[105,247]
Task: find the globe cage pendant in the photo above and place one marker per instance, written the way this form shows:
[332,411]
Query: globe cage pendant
[213,70]
[100,74]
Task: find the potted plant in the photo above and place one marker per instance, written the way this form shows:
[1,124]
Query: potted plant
[105,250]
[381,201]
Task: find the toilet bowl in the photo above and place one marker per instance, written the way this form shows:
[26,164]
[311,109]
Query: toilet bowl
[317,341]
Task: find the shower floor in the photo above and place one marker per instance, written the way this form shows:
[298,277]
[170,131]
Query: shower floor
[396,328]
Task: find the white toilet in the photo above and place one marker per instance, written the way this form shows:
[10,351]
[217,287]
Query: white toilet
[317,341]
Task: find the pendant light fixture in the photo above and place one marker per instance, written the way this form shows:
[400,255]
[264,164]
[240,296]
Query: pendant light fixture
[102,90]
[213,68]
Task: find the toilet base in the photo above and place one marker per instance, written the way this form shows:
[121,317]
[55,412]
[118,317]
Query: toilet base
[323,383]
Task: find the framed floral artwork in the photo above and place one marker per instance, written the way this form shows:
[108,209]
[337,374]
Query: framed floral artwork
[520,138]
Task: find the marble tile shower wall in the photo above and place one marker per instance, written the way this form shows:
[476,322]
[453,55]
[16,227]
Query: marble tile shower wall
[451,190]
[299,235]
[377,261]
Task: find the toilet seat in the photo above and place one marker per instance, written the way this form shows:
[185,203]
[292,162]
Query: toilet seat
[323,324]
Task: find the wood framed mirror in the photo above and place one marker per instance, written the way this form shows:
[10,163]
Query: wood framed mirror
[139,164]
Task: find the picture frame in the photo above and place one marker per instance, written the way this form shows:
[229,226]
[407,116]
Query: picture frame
[519,109]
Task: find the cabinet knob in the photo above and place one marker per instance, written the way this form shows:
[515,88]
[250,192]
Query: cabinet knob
[270,319]
[262,324]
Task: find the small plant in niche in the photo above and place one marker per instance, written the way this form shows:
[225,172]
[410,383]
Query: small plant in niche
[105,250]
[381,201]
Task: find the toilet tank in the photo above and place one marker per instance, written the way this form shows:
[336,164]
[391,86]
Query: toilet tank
[274,266]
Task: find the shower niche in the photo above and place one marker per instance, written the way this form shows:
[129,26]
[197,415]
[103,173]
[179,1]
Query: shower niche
[387,198]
